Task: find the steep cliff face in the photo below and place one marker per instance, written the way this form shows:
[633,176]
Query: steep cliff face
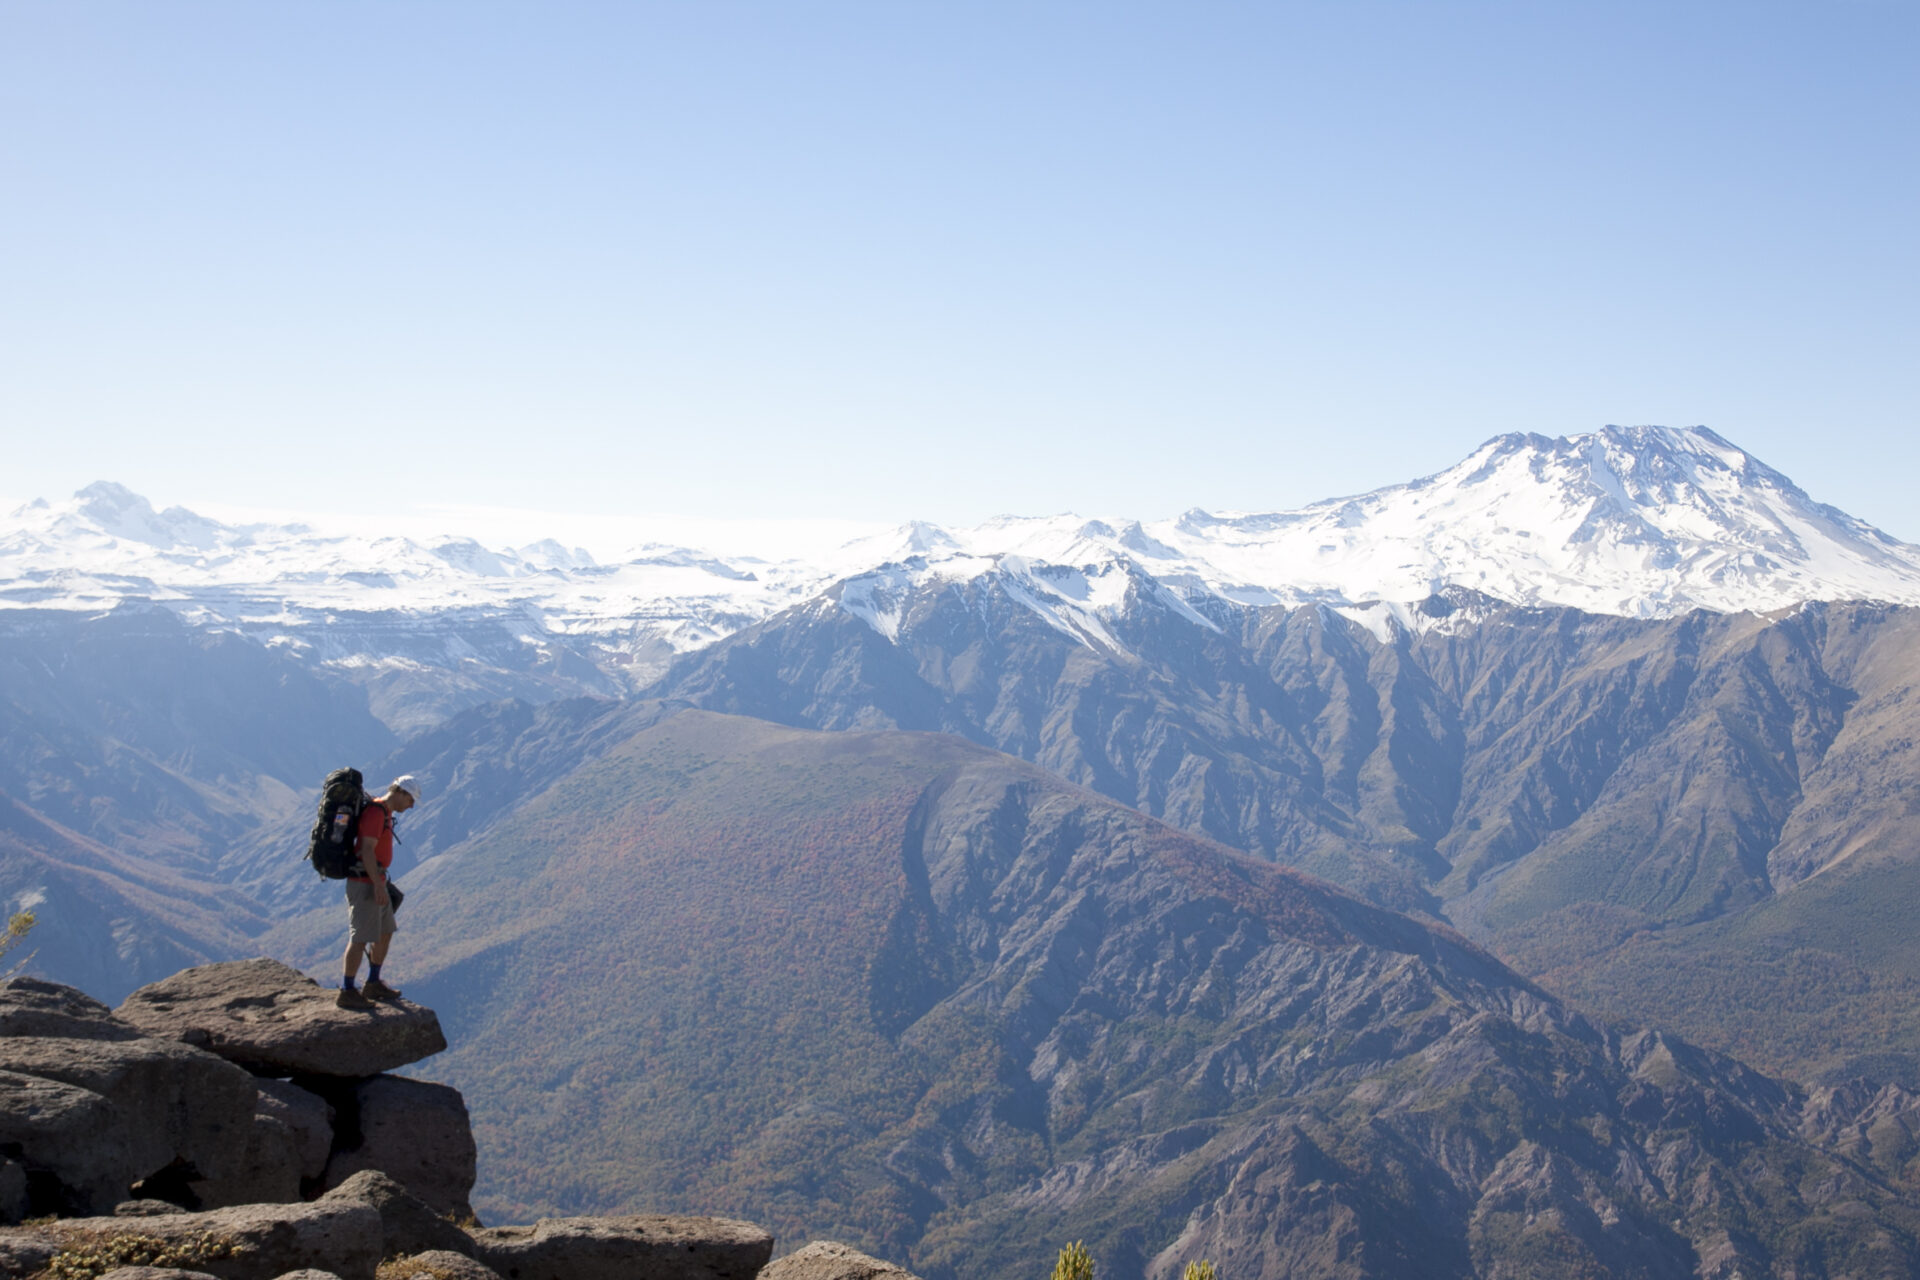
[897,989]
[1554,783]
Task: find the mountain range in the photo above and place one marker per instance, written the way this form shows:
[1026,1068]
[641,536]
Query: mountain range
[1642,522]
[1627,712]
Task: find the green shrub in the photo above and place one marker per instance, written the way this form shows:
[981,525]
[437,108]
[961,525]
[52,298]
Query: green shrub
[1075,1263]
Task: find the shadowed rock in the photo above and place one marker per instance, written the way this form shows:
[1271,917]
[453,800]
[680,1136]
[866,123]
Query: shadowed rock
[825,1260]
[274,1020]
[245,1242]
[418,1133]
[13,1191]
[292,1134]
[172,1102]
[72,1133]
[408,1224]
[659,1248]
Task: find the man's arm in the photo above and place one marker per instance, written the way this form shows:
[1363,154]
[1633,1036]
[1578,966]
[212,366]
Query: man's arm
[370,867]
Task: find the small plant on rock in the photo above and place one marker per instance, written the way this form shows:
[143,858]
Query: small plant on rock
[18,926]
[84,1261]
[1201,1270]
[1075,1263]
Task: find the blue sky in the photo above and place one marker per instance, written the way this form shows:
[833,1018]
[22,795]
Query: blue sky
[889,260]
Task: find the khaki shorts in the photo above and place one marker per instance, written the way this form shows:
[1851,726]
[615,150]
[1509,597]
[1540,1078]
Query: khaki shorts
[367,920]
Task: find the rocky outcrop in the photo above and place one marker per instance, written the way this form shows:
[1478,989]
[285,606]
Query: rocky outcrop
[825,1260]
[245,1242]
[171,1101]
[286,1153]
[89,1106]
[659,1248]
[419,1133]
[276,1021]
[94,1109]
[408,1225]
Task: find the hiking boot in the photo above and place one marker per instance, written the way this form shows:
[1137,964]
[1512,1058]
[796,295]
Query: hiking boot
[378,990]
[348,998]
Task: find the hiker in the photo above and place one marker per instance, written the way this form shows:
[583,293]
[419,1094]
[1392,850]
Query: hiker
[369,906]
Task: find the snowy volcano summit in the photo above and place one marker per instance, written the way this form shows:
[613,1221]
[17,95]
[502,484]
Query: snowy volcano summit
[1634,521]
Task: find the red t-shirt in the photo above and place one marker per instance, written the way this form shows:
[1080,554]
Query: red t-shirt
[376,824]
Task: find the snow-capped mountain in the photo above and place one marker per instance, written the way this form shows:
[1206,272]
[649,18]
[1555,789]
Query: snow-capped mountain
[1634,521]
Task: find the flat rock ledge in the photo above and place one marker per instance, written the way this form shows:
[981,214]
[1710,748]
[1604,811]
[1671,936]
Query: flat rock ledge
[640,1247]
[826,1260]
[245,1242]
[274,1020]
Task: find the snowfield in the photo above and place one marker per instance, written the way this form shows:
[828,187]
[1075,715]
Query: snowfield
[1635,521]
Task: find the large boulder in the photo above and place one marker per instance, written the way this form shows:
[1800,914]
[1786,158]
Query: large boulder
[30,1007]
[419,1134]
[825,1260]
[73,1135]
[174,1103]
[306,1115]
[408,1225]
[245,1242]
[659,1248]
[276,1021]
[292,1136]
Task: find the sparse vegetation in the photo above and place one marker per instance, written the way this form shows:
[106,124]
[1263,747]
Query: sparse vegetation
[18,926]
[1201,1270]
[409,1267]
[1075,1263]
[96,1257]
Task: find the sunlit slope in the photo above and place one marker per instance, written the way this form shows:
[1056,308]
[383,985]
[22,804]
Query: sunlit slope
[1550,781]
[900,989]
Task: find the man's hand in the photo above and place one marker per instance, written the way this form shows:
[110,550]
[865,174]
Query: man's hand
[380,891]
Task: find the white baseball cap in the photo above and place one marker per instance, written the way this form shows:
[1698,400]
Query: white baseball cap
[409,784]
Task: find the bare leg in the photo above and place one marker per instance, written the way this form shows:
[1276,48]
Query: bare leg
[350,963]
[378,951]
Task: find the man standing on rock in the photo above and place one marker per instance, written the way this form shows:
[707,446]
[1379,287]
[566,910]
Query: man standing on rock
[370,924]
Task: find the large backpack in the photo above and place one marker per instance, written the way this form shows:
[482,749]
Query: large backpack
[336,832]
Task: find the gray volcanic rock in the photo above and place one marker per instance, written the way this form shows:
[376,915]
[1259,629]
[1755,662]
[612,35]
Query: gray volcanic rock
[826,1260]
[275,1020]
[245,1242]
[418,1133]
[408,1224]
[30,1007]
[146,1209]
[72,1133]
[269,1173]
[173,1102]
[658,1247]
[155,1273]
[308,1273]
[291,1136]
[306,1114]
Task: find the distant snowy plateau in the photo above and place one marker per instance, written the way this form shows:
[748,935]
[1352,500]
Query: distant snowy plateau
[1633,521]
